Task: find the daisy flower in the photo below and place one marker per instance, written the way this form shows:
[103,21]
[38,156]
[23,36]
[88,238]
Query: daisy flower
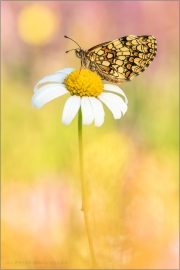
[86,92]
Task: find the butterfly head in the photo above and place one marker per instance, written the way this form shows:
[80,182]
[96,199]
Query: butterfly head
[79,52]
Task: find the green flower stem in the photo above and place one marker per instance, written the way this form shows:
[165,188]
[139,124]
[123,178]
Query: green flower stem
[84,198]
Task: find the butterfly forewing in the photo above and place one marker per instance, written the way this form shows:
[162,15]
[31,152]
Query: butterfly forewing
[122,59]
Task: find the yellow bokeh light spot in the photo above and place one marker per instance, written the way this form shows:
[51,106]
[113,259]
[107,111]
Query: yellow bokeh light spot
[37,24]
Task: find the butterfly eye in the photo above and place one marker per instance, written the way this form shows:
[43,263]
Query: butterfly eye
[79,53]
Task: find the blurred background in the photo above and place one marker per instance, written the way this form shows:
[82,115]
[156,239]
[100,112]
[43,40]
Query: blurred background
[131,164]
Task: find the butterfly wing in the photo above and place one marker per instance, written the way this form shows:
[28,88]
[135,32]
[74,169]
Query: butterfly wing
[122,59]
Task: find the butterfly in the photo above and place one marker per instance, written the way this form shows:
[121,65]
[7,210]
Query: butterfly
[120,60]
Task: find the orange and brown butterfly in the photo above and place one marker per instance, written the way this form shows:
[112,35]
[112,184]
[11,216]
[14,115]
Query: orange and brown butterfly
[120,60]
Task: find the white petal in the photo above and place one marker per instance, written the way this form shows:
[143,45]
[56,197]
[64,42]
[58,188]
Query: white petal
[55,78]
[71,107]
[110,101]
[67,71]
[118,101]
[98,111]
[116,89]
[87,111]
[48,93]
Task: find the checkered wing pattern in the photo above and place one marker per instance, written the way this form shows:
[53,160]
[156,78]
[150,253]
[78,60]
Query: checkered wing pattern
[122,59]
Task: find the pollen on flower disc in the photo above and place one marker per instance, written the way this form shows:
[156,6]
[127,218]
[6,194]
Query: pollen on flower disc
[84,83]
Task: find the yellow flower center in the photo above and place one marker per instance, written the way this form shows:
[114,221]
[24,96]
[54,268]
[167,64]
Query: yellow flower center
[84,83]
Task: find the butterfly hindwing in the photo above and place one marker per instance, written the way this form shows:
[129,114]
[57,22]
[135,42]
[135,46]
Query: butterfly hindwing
[122,59]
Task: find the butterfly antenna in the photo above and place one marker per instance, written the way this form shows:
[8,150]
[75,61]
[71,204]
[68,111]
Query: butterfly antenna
[73,40]
[70,50]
